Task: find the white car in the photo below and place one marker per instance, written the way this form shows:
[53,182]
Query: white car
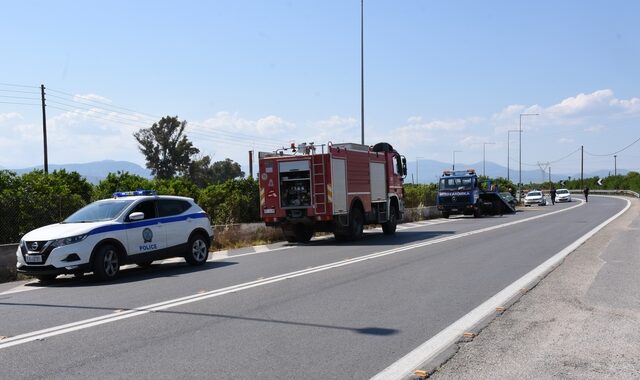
[563,195]
[132,227]
[535,197]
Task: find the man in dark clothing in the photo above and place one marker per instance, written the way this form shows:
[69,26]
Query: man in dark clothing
[552,193]
[586,194]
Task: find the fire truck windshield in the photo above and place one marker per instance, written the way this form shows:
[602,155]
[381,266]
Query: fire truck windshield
[456,183]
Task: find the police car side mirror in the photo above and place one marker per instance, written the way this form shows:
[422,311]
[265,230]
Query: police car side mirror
[136,216]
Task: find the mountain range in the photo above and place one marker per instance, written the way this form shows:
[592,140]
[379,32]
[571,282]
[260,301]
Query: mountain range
[95,171]
[422,171]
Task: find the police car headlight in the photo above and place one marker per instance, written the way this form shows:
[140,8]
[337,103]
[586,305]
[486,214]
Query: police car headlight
[68,240]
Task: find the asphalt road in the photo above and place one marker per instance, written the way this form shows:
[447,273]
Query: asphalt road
[325,310]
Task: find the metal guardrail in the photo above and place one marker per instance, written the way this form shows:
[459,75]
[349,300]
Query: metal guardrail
[628,193]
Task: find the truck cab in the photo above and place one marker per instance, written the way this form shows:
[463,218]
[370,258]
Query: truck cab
[462,192]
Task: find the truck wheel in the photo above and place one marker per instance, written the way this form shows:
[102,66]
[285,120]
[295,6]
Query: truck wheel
[303,233]
[356,224]
[445,214]
[477,212]
[106,263]
[289,233]
[197,250]
[389,228]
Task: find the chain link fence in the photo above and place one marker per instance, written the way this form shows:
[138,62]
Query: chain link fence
[20,214]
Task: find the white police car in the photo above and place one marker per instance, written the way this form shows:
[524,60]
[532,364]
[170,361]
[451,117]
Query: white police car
[132,227]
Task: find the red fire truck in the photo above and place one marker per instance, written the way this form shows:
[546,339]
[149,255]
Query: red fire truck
[332,188]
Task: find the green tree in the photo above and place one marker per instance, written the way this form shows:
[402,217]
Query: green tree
[36,199]
[121,181]
[234,201]
[166,149]
[203,173]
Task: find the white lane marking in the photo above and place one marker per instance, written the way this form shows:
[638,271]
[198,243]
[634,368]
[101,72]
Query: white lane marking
[260,248]
[430,349]
[21,288]
[83,324]
[217,257]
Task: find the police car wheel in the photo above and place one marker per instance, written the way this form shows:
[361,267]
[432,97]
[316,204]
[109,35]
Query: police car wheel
[198,251]
[106,264]
[44,278]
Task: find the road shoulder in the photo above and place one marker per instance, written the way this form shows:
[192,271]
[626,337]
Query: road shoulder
[581,321]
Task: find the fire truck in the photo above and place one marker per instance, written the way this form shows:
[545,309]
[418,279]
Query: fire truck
[334,188]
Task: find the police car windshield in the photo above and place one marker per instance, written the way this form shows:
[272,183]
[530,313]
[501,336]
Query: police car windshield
[454,183]
[99,211]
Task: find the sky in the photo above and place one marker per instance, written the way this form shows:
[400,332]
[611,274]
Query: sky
[439,77]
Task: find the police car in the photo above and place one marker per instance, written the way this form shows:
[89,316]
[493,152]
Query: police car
[132,227]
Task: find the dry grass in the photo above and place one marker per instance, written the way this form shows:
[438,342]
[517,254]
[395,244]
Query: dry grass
[237,236]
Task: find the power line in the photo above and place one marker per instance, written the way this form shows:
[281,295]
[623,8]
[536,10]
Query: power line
[76,111]
[113,115]
[101,102]
[616,152]
[23,104]
[18,97]
[565,157]
[18,85]
[20,91]
[99,106]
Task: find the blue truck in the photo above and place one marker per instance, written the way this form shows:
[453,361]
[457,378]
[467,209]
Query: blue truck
[461,192]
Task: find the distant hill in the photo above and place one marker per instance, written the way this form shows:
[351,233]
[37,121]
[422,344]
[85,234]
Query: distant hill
[95,171]
[429,171]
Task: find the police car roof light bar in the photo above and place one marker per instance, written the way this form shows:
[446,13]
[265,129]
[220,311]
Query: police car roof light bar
[120,194]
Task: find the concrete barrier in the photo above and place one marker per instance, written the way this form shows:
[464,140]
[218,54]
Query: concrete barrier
[8,262]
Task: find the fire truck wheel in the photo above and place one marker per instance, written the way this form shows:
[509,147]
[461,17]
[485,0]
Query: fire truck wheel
[303,233]
[389,228]
[356,224]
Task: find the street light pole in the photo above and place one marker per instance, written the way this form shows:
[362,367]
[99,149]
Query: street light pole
[508,154]
[454,159]
[484,145]
[520,150]
[362,71]
[418,169]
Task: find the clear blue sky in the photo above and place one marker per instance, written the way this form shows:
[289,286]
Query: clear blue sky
[439,76]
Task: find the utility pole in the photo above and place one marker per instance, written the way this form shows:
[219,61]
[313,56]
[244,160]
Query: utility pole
[550,176]
[250,164]
[44,131]
[615,165]
[362,70]
[581,166]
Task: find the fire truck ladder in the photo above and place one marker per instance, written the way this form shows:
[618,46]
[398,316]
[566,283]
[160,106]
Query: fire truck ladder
[319,182]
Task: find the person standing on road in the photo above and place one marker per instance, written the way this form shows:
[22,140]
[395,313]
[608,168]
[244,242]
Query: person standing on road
[586,193]
[552,192]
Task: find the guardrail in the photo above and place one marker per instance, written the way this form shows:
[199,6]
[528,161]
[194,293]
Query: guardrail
[627,193]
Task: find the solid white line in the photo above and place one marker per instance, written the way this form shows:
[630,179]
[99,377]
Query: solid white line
[450,335]
[83,324]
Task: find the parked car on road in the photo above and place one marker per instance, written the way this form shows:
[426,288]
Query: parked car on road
[535,197]
[563,195]
[132,227]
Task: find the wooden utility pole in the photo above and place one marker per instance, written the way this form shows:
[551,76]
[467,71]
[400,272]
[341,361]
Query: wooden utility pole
[251,164]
